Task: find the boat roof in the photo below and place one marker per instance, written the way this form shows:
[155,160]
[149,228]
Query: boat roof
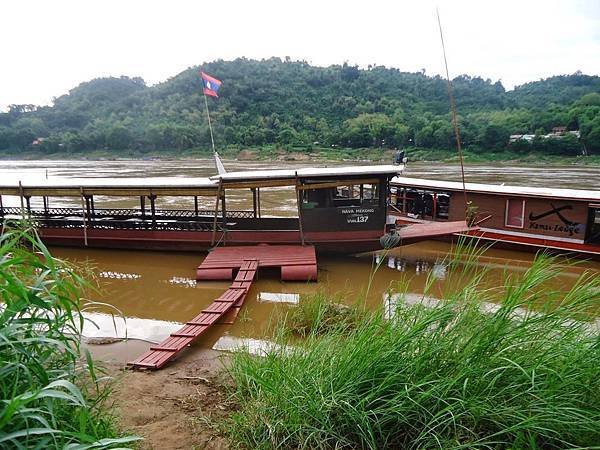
[180,186]
[311,172]
[525,191]
[115,186]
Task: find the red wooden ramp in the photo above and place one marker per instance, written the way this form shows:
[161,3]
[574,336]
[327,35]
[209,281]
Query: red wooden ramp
[298,263]
[161,354]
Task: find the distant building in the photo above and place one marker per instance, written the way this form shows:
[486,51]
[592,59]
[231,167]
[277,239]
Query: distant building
[560,132]
[521,137]
[557,133]
[38,141]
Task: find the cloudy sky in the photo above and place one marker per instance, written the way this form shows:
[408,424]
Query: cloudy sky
[51,46]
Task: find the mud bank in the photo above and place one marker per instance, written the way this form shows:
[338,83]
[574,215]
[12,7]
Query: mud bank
[180,407]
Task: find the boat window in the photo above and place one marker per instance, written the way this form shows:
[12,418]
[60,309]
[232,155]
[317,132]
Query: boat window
[315,198]
[341,196]
[515,213]
[594,226]
[421,203]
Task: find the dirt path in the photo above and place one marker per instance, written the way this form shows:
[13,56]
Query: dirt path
[178,407]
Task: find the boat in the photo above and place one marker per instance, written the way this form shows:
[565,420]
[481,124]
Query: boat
[514,217]
[339,209]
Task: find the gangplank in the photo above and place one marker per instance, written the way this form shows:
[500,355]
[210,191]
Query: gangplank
[297,263]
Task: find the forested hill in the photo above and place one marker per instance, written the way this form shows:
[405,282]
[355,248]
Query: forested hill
[294,104]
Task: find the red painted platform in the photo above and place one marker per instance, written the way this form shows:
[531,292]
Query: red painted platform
[297,263]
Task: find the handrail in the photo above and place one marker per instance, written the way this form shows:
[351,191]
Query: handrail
[125,212]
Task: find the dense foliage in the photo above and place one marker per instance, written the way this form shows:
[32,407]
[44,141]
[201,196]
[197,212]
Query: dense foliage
[290,103]
[454,374]
[49,398]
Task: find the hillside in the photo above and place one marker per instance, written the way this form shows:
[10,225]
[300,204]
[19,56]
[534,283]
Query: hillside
[294,104]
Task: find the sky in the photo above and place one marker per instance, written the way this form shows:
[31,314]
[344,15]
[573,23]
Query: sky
[50,47]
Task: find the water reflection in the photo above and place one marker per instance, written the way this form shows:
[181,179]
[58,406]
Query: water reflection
[438,269]
[393,301]
[101,325]
[182,281]
[257,347]
[119,275]
[279,297]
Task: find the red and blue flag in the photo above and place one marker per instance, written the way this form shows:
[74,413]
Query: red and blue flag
[211,85]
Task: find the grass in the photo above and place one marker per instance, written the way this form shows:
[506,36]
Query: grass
[318,314]
[50,397]
[451,375]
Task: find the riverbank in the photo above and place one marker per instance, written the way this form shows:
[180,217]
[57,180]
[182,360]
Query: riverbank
[273,153]
[181,407]
[419,372]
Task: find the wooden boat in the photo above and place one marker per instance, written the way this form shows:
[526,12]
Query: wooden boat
[560,220]
[340,209]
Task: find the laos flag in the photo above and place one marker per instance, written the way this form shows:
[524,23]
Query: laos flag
[211,85]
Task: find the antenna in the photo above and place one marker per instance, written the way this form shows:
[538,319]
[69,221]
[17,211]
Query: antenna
[453,109]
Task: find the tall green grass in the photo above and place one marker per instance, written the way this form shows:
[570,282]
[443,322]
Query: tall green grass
[50,397]
[449,376]
[318,314]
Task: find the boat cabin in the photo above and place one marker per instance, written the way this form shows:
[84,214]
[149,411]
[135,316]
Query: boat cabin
[566,219]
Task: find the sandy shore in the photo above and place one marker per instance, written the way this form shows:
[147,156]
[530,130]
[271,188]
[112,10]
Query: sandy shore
[180,406]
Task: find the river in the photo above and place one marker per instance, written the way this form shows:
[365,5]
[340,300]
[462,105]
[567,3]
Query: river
[151,293]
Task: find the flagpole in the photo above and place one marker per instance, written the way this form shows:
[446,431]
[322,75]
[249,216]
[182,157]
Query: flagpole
[212,139]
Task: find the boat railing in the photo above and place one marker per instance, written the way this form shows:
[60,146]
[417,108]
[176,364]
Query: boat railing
[131,224]
[122,213]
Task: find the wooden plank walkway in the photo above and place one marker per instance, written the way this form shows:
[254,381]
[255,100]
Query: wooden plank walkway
[298,263]
[231,299]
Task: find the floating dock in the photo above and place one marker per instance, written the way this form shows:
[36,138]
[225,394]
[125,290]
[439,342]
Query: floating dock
[297,263]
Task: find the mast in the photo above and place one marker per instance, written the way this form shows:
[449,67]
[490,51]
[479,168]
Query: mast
[212,139]
[454,116]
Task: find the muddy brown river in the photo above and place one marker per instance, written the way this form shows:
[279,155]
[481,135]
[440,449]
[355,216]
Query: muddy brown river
[151,293]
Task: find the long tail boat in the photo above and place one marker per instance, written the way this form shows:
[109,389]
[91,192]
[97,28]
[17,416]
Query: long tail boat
[339,209]
[517,217]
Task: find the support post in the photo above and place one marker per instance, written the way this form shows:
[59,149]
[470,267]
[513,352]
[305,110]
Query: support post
[45,199]
[21,198]
[434,206]
[143,206]
[223,208]
[214,233]
[1,207]
[83,215]
[196,205]
[254,202]
[152,198]
[88,205]
[258,202]
[299,204]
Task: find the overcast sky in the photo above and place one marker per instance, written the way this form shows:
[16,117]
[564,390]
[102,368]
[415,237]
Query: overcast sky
[48,47]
